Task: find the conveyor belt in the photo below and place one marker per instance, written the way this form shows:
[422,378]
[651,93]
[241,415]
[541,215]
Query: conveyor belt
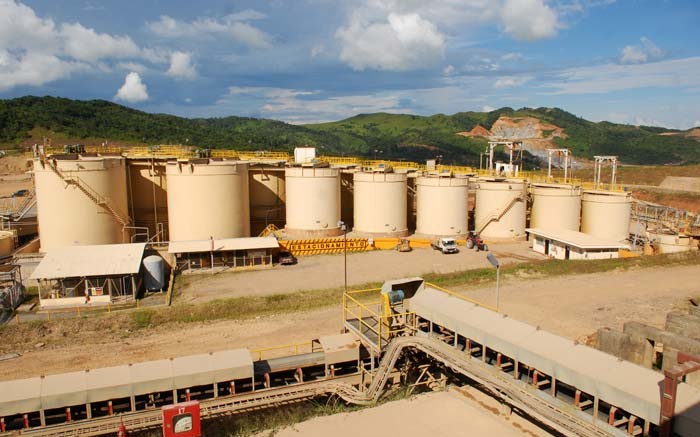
[517,394]
[209,408]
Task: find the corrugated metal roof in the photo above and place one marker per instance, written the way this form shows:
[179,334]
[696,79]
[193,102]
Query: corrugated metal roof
[79,261]
[577,239]
[223,244]
[597,373]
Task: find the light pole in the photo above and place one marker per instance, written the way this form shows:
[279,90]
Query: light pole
[494,262]
[344,228]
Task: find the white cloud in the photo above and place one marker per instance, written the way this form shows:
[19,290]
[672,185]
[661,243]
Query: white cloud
[133,90]
[646,51]
[232,26]
[132,66]
[317,50]
[614,77]
[181,66]
[447,71]
[487,108]
[511,81]
[37,50]
[401,42]
[529,20]
[514,56]
[34,69]
[87,45]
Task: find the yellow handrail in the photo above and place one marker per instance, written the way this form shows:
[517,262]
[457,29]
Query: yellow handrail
[457,295]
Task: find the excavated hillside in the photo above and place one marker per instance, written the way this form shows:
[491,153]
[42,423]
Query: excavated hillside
[536,135]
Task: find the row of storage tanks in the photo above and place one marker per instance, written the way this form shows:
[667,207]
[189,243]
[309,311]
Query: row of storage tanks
[200,199]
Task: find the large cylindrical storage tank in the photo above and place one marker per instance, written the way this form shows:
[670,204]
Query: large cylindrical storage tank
[501,209]
[380,204]
[555,207]
[267,196]
[208,199]
[313,202]
[441,205]
[73,207]
[666,242]
[606,214]
[7,243]
[148,198]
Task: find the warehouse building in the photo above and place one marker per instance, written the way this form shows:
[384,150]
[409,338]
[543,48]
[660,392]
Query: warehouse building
[78,275]
[224,253]
[568,244]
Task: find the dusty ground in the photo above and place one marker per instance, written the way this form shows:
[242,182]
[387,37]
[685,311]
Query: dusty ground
[326,271]
[572,306]
[440,414]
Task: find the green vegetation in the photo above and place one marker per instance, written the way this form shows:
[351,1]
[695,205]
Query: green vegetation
[381,135]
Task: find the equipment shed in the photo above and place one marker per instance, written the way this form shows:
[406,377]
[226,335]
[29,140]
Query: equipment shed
[227,252]
[78,275]
[568,244]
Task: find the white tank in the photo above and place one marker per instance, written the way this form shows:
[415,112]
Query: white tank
[672,243]
[441,206]
[208,198]
[313,202]
[148,198]
[267,196]
[380,204]
[555,207]
[153,273]
[7,243]
[501,207]
[85,204]
[606,214]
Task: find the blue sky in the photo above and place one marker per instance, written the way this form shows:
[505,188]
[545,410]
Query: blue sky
[627,61]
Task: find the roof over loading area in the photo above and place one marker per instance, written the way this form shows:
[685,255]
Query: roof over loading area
[84,261]
[577,239]
[223,244]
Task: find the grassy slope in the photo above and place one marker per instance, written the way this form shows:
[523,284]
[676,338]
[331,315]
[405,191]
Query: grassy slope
[390,135]
[130,323]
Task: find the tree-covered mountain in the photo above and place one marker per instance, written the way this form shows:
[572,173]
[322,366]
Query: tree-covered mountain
[393,136]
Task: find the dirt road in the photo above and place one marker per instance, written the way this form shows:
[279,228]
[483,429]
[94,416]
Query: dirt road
[572,306]
[327,271]
[438,414]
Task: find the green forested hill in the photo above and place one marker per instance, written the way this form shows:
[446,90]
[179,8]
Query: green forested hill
[383,135]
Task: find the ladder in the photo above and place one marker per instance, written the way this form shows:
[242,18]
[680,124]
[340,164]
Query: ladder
[93,195]
[497,213]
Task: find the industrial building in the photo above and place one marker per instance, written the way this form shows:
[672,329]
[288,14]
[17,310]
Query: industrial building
[169,195]
[224,253]
[568,244]
[76,275]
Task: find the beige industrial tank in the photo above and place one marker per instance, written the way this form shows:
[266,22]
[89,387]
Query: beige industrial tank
[555,207]
[666,242]
[208,199]
[81,201]
[148,198]
[7,243]
[380,204]
[606,214]
[501,208]
[313,202]
[267,196]
[441,205]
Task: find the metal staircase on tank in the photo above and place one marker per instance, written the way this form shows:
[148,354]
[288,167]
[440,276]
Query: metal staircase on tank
[498,213]
[90,193]
[18,212]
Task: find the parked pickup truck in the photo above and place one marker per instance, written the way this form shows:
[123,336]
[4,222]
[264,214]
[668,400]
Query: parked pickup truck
[445,245]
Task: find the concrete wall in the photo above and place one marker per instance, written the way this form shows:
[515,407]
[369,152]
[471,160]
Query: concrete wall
[626,346]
